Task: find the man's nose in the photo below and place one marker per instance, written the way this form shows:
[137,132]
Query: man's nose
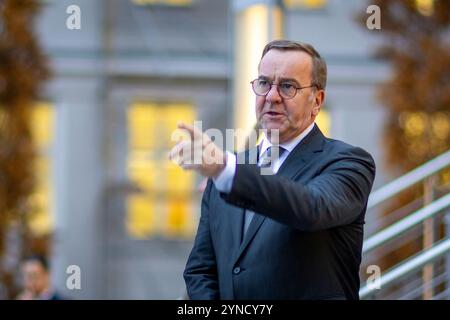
[273,95]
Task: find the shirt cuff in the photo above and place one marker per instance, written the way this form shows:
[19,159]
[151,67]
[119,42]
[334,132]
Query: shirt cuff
[224,180]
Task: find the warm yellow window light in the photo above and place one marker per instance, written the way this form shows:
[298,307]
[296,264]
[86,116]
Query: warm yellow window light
[323,120]
[42,125]
[166,204]
[306,4]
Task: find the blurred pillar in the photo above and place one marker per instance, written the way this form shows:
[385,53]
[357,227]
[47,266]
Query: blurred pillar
[78,93]
[256,22]
[78,236]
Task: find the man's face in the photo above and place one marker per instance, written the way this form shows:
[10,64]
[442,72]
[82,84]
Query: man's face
[35,277]
[289,116]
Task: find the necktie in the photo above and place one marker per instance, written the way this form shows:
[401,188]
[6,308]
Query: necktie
[265,162]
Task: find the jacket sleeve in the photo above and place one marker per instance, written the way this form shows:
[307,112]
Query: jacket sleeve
[336,196]
[200,273]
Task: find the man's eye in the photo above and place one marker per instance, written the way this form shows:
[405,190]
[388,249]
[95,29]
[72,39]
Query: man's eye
[286,86]
[262,83]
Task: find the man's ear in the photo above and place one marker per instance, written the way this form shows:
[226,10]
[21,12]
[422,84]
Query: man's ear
[318,101]
[315,110]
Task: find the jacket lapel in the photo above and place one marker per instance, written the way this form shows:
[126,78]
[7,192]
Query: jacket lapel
[254,226]
[236,219]
[295,161]
[303,153]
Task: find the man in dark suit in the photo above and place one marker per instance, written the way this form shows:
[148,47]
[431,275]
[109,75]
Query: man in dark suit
[294,234]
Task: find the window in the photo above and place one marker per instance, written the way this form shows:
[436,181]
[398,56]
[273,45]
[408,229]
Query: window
[305,4]
[41,222]
[165,204]
[324,122]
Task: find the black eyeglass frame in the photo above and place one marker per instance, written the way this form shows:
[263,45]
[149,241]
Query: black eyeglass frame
[278,89]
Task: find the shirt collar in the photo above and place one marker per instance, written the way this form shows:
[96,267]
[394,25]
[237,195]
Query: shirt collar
[289,145]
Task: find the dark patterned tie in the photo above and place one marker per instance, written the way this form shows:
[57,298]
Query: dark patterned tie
[266,158]
[265,162]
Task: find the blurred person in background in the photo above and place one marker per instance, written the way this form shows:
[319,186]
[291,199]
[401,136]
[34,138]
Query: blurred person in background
[36,280]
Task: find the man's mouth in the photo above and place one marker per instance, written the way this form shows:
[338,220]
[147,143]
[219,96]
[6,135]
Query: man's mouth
[273,113]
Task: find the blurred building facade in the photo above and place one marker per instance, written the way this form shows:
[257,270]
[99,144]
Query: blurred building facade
[117,208]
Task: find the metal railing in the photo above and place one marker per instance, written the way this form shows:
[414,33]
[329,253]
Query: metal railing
[420,173]
[407,223]
[409,266]
[424,217]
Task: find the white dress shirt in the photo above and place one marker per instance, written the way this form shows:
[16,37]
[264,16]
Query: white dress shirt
[224,180]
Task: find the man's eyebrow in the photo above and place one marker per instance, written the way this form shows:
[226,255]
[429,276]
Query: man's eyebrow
[289,80]
[263,77]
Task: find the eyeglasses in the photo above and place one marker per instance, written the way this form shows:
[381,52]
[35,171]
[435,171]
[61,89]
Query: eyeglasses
[286,90]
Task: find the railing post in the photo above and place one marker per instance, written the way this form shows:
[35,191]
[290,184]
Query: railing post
[447,257]
[429,237]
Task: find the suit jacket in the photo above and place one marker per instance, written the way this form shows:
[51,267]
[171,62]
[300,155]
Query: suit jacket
[304,241]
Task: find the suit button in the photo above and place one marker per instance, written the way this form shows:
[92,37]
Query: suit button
[236,270]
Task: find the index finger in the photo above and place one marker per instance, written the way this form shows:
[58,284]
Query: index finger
[193,131]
